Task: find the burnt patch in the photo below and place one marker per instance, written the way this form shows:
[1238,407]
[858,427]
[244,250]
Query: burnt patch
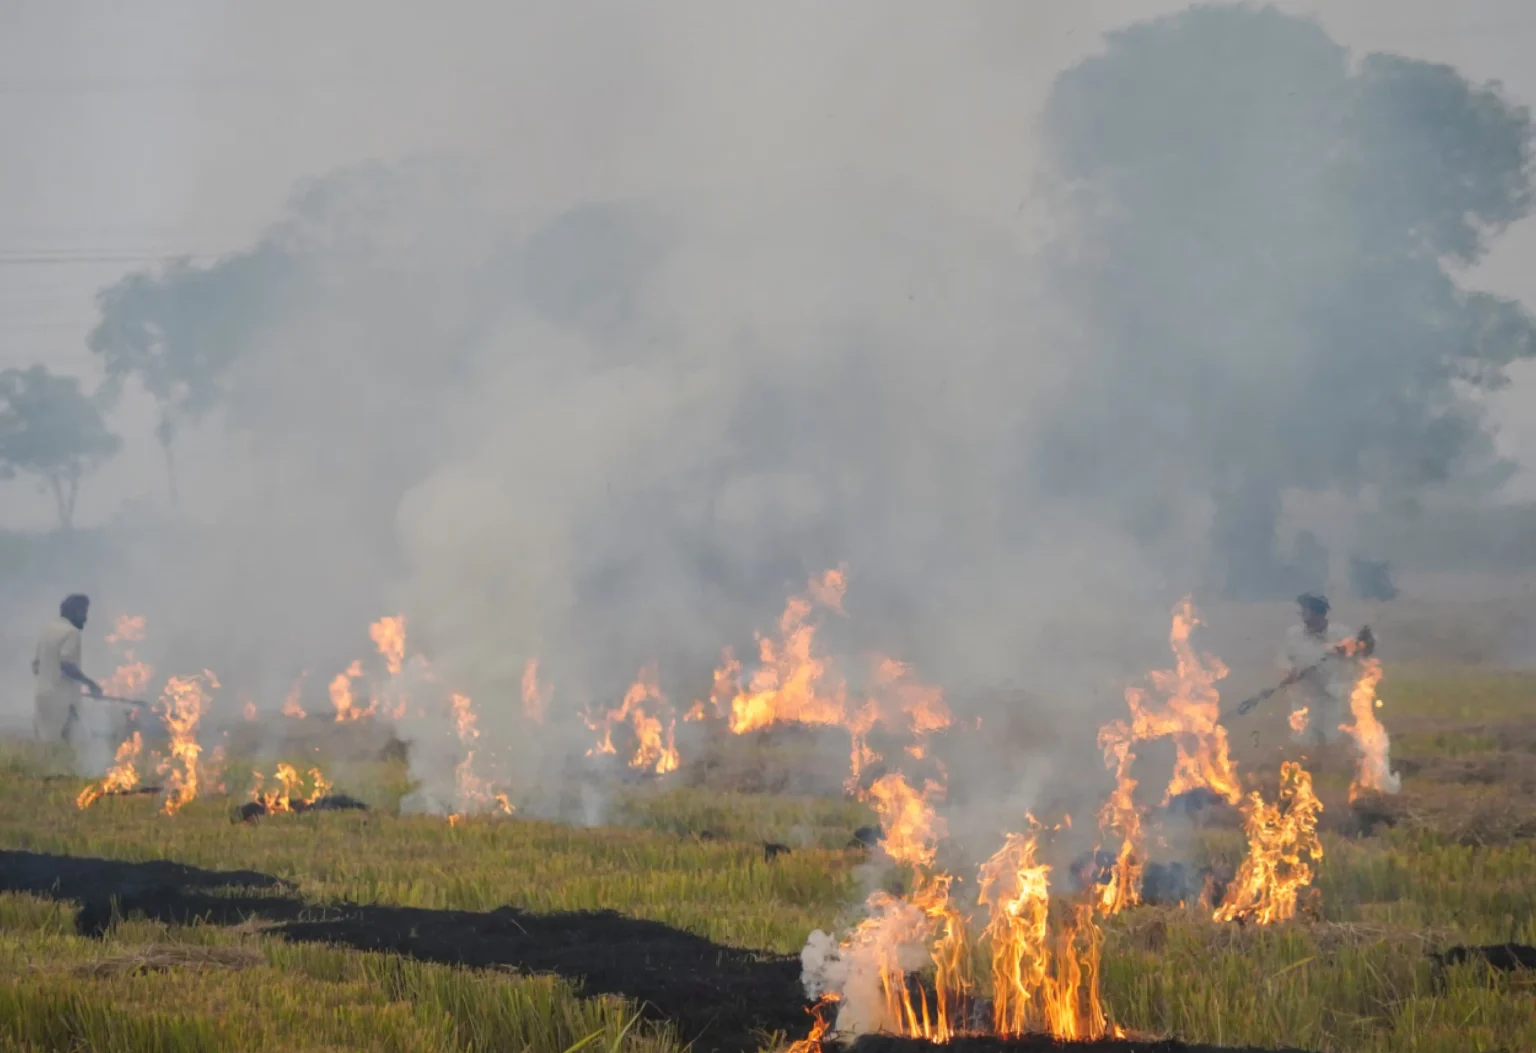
[1037,1044]
[1504,957]
[721,998]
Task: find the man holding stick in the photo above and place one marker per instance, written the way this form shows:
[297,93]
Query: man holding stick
[57,668]
[1317,665]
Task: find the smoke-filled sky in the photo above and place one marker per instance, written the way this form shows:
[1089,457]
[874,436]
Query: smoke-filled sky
[134,132]
[839,349]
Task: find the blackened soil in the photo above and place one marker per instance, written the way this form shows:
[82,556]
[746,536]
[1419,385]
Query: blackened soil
[1036,1044]
[721,998]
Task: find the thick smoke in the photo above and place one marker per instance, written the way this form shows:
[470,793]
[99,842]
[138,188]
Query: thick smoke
[615,420]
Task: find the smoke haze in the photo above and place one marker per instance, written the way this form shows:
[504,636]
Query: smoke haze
[610,326]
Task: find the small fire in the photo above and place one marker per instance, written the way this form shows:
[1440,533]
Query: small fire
[291,707]
[131,676]
[1374,772]
[472,793]
[342,699]
[646,710]
[898,702]
[464,717]
[281,798]
[248,709]
[788,686]
[724,689]
[821,1024]
[121,777]
[911,827]
[184,701]
[535,698]
[1299,720]
[1283,849]
[388,636]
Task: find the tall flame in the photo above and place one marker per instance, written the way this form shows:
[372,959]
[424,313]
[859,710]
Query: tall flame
[1039,984]
[535,697]
[291,706]
[183,703]
[1283,849]
[121,777]
[471,792]
[131,676]
[1374,773]
[342,699]
[1185,706]
[388,635]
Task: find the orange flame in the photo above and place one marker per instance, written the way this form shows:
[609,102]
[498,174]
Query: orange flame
[1187,710]
[899,702]
[1298,720]
[184,701]
[1038,987]
[725,687]
[1373,773]
[821,1024]
[787,687]
[471,792]
[121,777]
[131,676]
[248,710]
[279,799]
[342,699]
[643,708]
[291,707]
[910,827]
[1283,848]
[535,698]
[388,634]
[1120,818]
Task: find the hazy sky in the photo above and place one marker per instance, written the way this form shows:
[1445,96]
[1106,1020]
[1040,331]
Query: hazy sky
[137,131]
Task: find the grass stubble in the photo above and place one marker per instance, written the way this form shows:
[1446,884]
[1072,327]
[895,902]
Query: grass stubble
[1459,867]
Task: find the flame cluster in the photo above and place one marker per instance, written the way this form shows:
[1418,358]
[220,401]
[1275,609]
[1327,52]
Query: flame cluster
[1373,773]
[1043,954]
[120,778]
[652,721]
[1283,849]
[183,703]
[1183,705]
[281,797]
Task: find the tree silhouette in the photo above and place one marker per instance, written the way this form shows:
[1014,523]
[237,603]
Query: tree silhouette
[1265,254]
[49,429]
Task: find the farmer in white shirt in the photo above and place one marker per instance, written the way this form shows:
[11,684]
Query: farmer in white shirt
[57,668]
[1320,695]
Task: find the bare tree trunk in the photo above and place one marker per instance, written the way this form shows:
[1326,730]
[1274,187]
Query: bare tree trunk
[64,500]
[170,473]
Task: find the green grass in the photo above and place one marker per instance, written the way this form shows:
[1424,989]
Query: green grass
[1357,978]
[67,993]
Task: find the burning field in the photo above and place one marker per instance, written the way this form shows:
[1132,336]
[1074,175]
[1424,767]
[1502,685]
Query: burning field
[802,855]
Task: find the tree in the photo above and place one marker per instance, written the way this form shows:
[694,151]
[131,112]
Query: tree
[1264,253]
[51,430]
[179,332]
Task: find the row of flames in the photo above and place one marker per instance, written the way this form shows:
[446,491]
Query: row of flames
[791,684]
[184,701]
[1044,949]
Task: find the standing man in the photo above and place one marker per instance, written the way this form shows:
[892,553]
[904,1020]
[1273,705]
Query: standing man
[1321,673]
[57,668]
